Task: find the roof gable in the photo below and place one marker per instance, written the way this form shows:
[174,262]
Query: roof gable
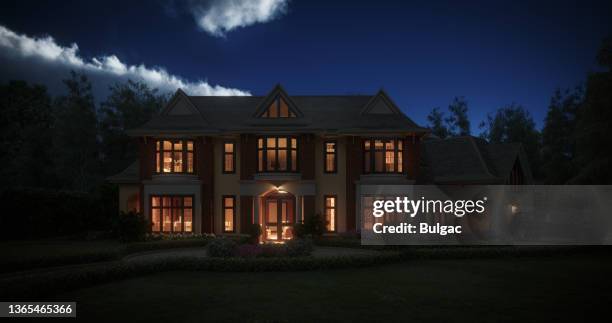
[279,96]
[381,103]
[181,105]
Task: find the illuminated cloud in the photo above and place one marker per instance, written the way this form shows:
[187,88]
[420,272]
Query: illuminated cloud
[217,17]
[47,53]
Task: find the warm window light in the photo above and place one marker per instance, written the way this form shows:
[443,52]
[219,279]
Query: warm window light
[514,209]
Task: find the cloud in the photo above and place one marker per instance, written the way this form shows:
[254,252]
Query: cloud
[217,17]
[21,54]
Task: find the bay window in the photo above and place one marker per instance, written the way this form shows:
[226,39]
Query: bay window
[171,214]
[174,156]
[277,154]
[383,156]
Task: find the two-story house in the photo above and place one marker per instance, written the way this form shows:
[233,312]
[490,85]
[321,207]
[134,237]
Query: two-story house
[211,164]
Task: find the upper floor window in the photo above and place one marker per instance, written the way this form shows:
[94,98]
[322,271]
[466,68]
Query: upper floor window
[383,156]
[229,157]
[330,160]
[277,154]
[174,156]
[278,109]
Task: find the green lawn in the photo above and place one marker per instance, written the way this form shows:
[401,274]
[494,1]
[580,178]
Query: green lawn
[41,253]
[26,255]
[489,290]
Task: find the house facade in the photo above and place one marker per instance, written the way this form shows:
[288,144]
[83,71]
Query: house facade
[223,164]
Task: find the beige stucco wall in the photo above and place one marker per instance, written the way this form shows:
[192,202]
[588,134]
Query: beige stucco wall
[324,183]
[225,184]
[331,184]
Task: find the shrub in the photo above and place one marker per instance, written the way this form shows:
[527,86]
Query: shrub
[248,251]
[131,227]
[270,250]
[222,247]
[313,226]
[299,247]
[299,231]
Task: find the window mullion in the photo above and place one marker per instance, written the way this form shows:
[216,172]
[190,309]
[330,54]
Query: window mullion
[276,154]
[396,168]
[184,153]
[264,154]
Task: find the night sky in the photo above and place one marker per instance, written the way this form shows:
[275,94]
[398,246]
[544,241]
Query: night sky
[422,53]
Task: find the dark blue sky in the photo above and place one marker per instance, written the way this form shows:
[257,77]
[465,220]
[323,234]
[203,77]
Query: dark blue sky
[423,53]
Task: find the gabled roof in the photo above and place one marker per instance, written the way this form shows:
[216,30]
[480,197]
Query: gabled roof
[277,92]
[327,113]
[469,159]
[130,175]
[381,103]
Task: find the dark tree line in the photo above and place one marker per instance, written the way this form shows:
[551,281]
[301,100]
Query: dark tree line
[69,142]
[574,145]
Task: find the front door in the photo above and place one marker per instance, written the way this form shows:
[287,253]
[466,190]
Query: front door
[279,218]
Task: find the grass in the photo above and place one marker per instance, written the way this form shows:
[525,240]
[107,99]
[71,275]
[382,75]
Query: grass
[556,288]
[26,255]
[19,255]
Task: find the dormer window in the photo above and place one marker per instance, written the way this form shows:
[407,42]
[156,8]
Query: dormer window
[174,156]
[278,109]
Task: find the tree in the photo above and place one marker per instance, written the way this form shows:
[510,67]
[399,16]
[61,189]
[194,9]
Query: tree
[458,122]
[76,145]
[594,126]
[128,105]
[604,55]
[436,123]
[25,123]
[514,124]
[558,136]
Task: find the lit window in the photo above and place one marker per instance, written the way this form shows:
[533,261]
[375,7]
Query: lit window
[330,156]
[383,156]
[229,213]
[277,154]
[171,214]
[278,109]
[330,213]
[229,157]
[174,156]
